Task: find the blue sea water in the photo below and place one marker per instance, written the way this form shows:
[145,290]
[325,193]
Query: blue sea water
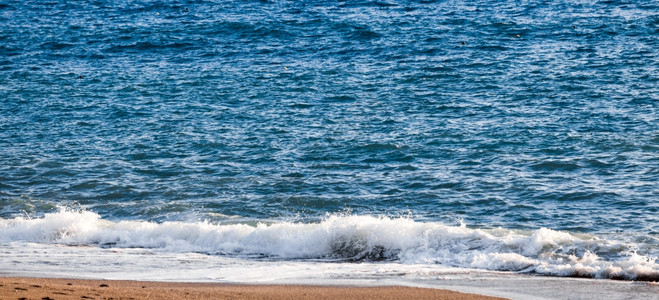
[516,136]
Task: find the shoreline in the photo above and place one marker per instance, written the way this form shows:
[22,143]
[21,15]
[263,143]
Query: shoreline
[61,288]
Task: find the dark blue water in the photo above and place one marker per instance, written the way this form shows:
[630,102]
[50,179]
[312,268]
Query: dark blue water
[512,114]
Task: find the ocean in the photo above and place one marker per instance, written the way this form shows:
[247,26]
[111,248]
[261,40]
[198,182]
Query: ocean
[424,143]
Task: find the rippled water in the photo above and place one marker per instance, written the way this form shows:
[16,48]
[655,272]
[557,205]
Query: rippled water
[515,114]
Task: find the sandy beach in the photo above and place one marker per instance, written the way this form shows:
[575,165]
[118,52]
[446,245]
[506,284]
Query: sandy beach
[49,288]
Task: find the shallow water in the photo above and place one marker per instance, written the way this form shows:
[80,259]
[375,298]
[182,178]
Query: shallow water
[510,136]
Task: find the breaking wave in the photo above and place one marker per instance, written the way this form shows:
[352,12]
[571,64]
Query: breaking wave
[357,238]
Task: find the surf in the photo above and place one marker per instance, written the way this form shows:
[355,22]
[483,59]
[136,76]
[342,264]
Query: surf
[355,239]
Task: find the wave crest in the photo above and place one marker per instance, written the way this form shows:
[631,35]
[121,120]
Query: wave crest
[356,238]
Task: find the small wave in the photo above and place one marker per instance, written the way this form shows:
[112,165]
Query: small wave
[555,166]
[356,238]
[376,147]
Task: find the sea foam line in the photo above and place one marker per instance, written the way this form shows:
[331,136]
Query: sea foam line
[355,238]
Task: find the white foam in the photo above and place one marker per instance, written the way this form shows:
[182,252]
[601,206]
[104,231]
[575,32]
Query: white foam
[354,238]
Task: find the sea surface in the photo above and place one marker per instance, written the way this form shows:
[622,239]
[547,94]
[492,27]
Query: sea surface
[391,140]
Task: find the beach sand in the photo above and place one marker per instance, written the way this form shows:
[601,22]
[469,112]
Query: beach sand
[49,288]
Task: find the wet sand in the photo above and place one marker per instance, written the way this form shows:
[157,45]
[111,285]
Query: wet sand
[48,288]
